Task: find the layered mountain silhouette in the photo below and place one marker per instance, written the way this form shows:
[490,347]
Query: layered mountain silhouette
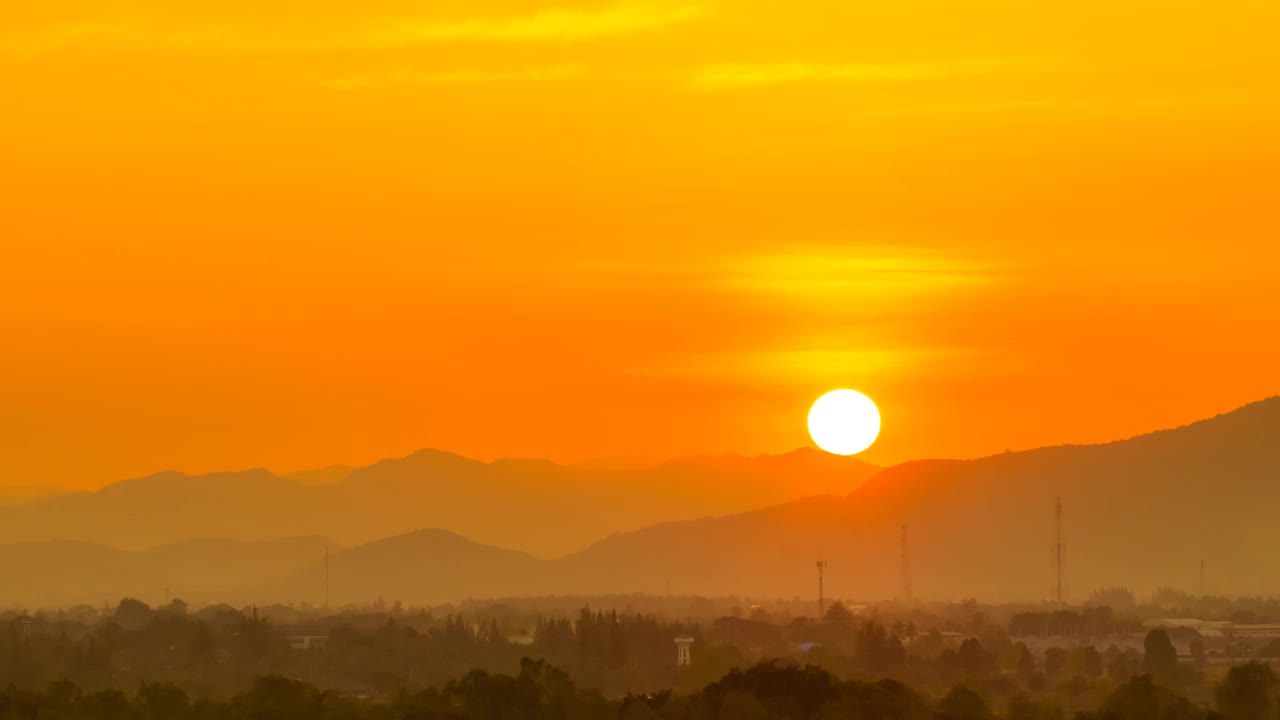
[1141,512]
[63,573]
[331,475]
[23,494]
[422,567]
[535,505]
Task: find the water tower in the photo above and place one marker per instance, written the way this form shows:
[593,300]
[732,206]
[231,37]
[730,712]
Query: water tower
[682,651]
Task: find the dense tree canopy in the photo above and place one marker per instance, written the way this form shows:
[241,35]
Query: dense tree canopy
[136,662]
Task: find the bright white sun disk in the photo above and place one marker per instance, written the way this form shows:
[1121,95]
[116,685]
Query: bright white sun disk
[844,422]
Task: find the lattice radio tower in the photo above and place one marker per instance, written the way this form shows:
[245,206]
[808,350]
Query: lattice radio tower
[1059,551]
[822,566]
[906,567]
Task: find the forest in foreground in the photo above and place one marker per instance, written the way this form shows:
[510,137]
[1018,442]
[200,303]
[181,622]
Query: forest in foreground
[530,660]
[539,691]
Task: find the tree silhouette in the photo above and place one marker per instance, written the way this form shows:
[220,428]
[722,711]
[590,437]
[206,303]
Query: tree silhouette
[1091,662]
[786,690]
[1248,692]
[1159,657]
[973,660]
[875,650]
[741,705]
[963,704]
[1142,699]
[1026,664]
[162,701]
[838,614]
[1055,662]
[1022,707]
[132,614]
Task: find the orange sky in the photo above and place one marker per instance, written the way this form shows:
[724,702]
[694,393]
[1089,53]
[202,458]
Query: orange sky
[292,234]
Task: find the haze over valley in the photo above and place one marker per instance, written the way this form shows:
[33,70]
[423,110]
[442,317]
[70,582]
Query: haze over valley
[435,527]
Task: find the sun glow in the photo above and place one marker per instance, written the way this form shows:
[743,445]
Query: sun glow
[844,422]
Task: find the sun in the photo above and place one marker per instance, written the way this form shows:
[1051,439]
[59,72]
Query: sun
[844,422]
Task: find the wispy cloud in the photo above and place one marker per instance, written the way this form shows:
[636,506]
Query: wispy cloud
[876,271]
[134,33]
[737,75]
[151,34]
[806,364]
[812,271]
[549,24]
[829,311]
[409,78]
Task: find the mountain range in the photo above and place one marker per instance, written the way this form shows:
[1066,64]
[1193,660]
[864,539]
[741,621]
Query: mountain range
[23,494]
[536,505]
[1142,512]
[60,573]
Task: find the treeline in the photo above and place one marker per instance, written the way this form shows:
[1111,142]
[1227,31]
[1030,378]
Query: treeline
[1176,602]
[218,651]
[539,691]
[616,652]
[1092,621]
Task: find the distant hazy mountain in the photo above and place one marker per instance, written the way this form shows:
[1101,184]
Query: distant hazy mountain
[533,505]
[426,566]
[1141,512]
[59,573]
[23,494]
[168,507]
[331,475]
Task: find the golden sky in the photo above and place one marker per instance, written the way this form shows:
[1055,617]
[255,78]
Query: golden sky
[290,234]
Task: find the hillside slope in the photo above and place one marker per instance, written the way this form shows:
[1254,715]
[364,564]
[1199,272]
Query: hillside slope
[421,567]
[1141,512]
[534,505]
[63,573]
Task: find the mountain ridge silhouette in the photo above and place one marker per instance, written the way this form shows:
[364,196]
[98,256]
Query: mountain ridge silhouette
[1142,512]
[500,503]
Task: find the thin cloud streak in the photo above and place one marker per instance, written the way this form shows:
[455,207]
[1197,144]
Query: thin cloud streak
[802,365]
[742,75]
[552,24]
[846,272]
[857,289]
[411,78]
[147,34]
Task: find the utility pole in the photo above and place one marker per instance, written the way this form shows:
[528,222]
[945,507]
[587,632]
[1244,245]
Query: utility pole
[906,567]
[822,565]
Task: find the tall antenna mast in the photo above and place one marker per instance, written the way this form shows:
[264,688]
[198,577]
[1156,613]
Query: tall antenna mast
[822,565]
[326,577]
[906,567]
[1202,578]
[1059,550]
